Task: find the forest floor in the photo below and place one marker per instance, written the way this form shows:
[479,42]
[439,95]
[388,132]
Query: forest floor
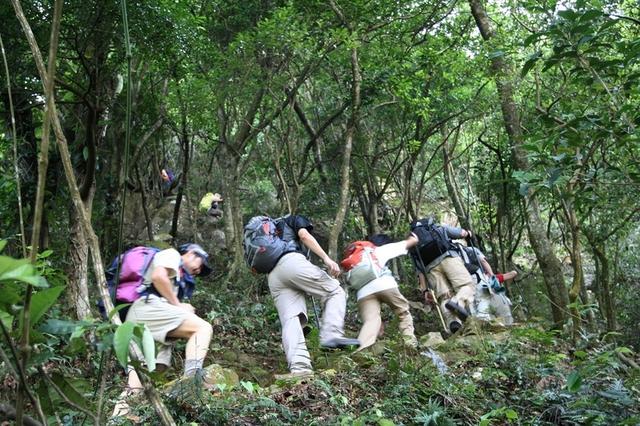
[523,375]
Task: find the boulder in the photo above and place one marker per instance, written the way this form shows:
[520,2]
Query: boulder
[431,339]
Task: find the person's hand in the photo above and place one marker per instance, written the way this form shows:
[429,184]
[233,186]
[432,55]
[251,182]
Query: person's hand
[334,269]
[428,298]
[467,233]
[187,307]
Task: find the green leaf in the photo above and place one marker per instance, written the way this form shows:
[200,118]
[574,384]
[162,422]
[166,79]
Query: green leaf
[121,340]
[248,386]
[70,391]
[7,320]
[532,39]
[530,63]
[58,327]
[10,294]
[511,414]
[118,309]
[20,270]
[149,349]
[42,301]
[3,244]
[568,14]
[590,15]
[45,254]
[574,381]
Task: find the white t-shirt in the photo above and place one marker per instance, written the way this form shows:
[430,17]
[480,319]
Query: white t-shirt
[384,254]
[170,259]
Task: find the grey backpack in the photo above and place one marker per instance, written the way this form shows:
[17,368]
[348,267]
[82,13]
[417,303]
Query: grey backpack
[262,245]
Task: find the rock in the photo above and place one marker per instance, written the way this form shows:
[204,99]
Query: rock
[431,339]
[230,356]
[214,374]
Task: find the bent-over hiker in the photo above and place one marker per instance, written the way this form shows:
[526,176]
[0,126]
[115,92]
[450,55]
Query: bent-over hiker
[291,279]
[168,319]
[440,263]
[384,289]
[491,299]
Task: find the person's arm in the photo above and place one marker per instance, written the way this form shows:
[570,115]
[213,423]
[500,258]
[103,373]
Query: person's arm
[424,287]
[455,232]
[486,267]
[507,276]
[411,241]
[163,285]
[312,244]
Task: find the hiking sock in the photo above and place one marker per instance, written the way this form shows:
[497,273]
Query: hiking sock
[191,366]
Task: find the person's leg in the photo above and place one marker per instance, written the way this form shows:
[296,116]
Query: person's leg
[163,358]
[291,306]
[400,307]
[198,333]
[369,309]
[502,308]
[438,280]
[310,279]
[483,303]
[460,280]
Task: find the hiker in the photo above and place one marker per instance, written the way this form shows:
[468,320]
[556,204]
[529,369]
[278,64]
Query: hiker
[211,205]
[291,276]
[491,300]
[383,289]
[441,269]
[162,311]
[167,177]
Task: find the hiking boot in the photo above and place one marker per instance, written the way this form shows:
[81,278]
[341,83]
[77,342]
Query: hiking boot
[296,374]
[339,343]
[460,311]
[454,326]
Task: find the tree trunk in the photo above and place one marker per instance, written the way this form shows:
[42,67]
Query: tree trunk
[185,146]
[79,255]
[92,238]
[449,178]
[603,284]
[576,263]
[541,244]
[345,181]
[145,208]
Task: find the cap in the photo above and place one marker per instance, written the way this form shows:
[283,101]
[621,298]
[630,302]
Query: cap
[217,197]
[199,251]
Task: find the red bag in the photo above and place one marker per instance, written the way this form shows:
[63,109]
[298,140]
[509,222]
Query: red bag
[352,255]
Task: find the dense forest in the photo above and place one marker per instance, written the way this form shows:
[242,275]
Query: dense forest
[160,123]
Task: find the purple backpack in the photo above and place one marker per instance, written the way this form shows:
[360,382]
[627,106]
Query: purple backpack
[133,265]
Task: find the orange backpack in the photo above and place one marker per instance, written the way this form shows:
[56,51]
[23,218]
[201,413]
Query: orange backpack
[361,265]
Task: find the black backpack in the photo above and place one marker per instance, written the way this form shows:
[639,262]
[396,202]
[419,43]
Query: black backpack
[469,257]
[432,240]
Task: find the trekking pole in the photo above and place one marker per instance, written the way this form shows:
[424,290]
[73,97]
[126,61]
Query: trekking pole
[315,312]
[433,294]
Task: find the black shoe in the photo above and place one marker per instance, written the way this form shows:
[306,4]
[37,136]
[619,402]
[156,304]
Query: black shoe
[339,343]
[306,330]
[458,309]
[454,326]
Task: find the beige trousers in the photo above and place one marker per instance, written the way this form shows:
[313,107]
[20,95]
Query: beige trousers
[452,281]
[290,281]
[369,308]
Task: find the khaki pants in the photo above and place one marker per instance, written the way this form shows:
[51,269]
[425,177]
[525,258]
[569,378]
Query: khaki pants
[452,281]
[290,281]
[369,308]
